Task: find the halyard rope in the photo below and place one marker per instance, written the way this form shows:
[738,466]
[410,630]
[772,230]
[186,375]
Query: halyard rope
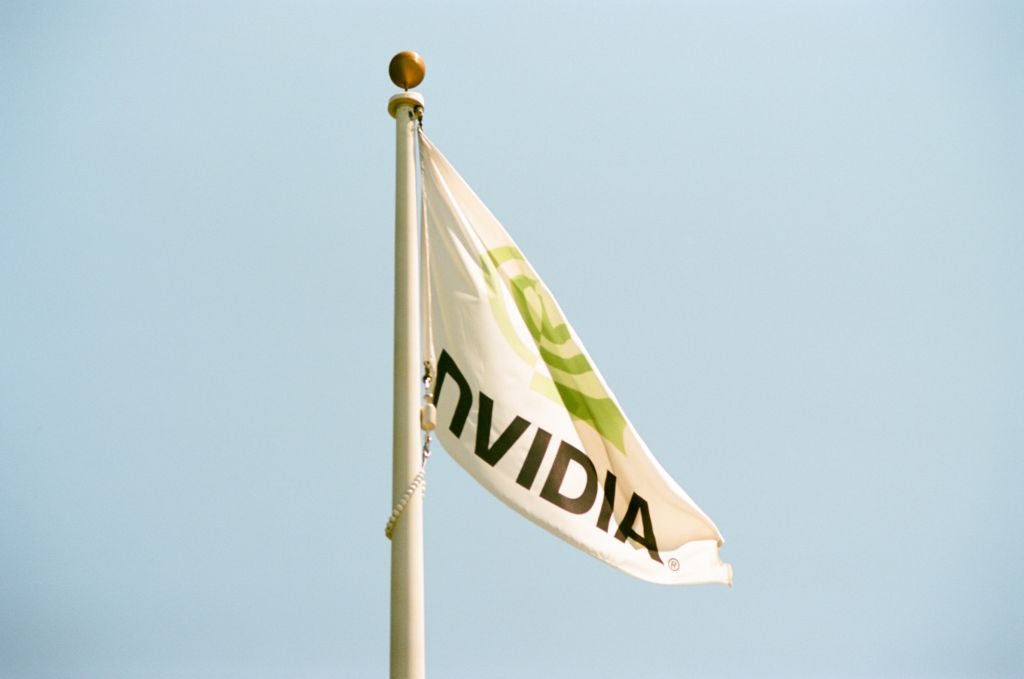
[428,415]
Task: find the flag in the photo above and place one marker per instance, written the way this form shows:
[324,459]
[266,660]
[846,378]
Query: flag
[522,408]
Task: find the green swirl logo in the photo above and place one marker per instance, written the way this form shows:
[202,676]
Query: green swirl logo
[573,382]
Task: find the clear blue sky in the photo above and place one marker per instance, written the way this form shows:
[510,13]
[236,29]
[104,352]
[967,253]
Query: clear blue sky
[790,235]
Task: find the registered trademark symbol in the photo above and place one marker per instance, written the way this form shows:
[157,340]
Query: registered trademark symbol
[673,564]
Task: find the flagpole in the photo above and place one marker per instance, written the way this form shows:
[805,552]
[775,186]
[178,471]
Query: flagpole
[407,607]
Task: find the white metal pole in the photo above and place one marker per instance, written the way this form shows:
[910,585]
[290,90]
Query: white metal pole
[407,609]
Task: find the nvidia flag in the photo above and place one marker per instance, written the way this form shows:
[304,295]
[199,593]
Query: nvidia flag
[521,406]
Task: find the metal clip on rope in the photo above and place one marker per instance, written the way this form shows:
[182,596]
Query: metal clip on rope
[428,420]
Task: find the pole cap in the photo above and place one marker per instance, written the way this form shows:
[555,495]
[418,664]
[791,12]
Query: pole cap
[407,69]
[413,100]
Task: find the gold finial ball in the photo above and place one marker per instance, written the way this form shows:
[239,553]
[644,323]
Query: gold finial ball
[407,69]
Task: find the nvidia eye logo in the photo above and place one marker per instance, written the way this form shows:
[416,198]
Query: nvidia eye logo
[563,370]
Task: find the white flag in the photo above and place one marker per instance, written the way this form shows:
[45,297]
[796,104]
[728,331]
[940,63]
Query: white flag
[521,406]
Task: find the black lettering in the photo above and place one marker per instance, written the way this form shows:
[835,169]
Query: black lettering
[446,366]
[533,459]
[484,450]
[609,498]
[638,505]
[551,490]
